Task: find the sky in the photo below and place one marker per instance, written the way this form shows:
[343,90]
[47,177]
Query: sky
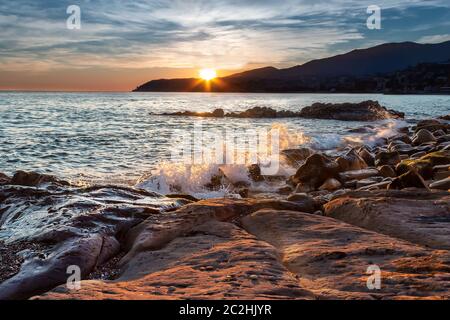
[122,44]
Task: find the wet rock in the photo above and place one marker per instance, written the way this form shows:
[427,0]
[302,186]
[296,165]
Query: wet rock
[254,172]
[441,184]
[418,155]
[424,215]
[302,188]
[285,190]
[351,161]
[387,158]
[315,171]
[367,156]
[364,111]
[33,179]
[376,186]
[401,137]
[425,164]
[358,174]
[218,113]
[71,226]
[423,136]
[432,125]
[446,117]
[387,171]
[441,172]
[304,200]
[295,156]
[411,179]
[330,185]
[4,179]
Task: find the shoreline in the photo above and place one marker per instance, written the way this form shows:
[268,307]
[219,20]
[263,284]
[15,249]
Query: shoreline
[121,233]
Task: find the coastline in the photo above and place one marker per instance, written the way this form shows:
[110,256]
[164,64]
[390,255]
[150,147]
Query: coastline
[313,238]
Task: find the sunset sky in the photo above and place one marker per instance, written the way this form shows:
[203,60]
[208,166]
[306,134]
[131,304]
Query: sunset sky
[122,44]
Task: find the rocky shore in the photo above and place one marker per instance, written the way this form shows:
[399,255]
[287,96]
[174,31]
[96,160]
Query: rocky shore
[385,204]
[363,111]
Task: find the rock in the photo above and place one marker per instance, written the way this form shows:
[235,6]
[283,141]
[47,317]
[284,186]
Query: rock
[218,113]
[401,137]
[33,179]
[420,217]
[432,125]
[331,257]
[376,186]
[285,190]
[364,111]
[418,155]
[295,156]
[358,174]
[367,156]
[315,171]
[443,138]
[304,200]
[330,185]
[425,164]
[216,260]
[411,179]
[254,172]
[423,136]
[387,171]
[439,133]
[4,179]
[365,183]
[441,184]
[351,161]
[302,188]
[446,117]
[387,158]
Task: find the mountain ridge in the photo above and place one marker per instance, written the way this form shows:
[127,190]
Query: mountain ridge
[358,63]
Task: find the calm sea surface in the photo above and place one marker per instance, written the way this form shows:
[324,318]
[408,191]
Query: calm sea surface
[112,136]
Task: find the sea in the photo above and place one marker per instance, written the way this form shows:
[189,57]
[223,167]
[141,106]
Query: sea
[119,138]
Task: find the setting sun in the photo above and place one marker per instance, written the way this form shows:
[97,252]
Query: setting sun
[208,74]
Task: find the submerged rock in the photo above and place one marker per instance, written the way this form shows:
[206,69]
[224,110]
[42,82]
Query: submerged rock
[364,111]
[4,179]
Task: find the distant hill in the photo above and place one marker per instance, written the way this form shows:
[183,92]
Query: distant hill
[319,75]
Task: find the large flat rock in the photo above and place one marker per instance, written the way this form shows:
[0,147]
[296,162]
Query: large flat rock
[331,258]
[420,217]
[216,260]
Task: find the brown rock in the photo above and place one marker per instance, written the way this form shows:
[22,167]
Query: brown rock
[4,179]
[423,136]
[411,179]
[420,217]
[330,185]
[387,171]
[441,184]
[351,161]
[216,260]
[358,174]
[331,258]
[254,172]
[296,156]
[387,158]
[367,156]
[33,179]
[315,171]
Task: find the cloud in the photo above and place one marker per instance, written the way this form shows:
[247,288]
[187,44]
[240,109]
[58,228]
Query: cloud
[437,38]
[201,33]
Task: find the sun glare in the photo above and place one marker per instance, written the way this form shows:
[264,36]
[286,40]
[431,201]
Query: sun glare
[207,74]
